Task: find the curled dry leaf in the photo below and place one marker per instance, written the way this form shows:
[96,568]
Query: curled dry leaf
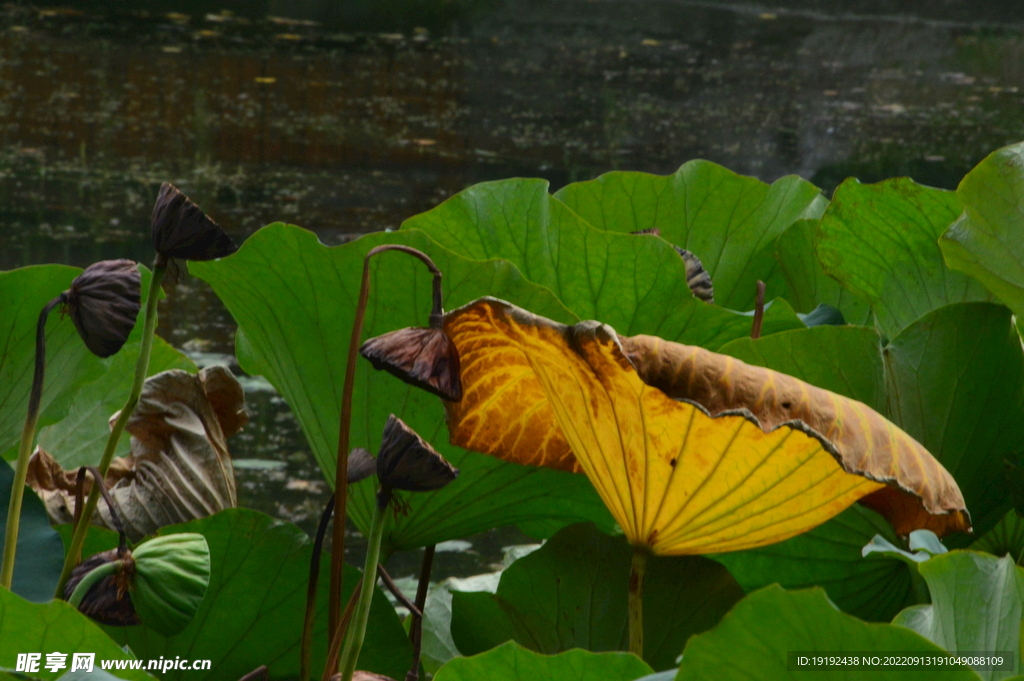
[103,302]
[677,478]
[179,468]
[425,358]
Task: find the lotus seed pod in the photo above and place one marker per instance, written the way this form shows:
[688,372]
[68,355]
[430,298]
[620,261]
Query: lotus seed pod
[103,302]
[180,229]
[107,601]
[171,576]
[361,465]
[406,461]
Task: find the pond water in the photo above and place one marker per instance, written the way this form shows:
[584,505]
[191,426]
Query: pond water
[346,120]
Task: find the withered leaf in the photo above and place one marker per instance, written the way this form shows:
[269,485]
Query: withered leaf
[538,392]
[921,495]
[426,358]
[179,468]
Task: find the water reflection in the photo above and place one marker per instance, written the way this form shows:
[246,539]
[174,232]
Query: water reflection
[294,111]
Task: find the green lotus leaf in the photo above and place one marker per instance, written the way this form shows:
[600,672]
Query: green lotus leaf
[977,605]
[830,557]
[987,241]
[879,241]
[754,641]
[1006,538]
[293,299]
[569,594]
[637,284]
[955,382]
[40,554]
[79,438]
[960,394]
[511,662]
[53,627]
[729,221]
[806,281]
[69,364]
[253,609]
[172,573]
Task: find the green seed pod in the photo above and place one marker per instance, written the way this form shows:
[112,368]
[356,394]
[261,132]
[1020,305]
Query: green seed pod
[171,576]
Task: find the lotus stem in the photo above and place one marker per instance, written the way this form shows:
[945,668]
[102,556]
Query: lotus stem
[416,630]
[141,369]
[28,436]
[637,571]
[755,329]
[314,579]
[345,420]
[334,650]
[354,641]
[91,579]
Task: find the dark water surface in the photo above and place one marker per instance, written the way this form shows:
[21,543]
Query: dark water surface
[346,120]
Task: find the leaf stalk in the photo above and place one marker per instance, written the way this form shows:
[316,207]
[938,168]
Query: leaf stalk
[354,642]
[141,369]
[28,436]
[345,420]
[637,572]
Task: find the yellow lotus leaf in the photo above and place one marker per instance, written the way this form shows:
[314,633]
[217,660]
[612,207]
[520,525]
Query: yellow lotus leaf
[676,479]
[922,495]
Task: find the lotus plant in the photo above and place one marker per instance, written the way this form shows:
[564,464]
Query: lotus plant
[103,303]
[424,357]
[405,462]
[691,451]
[179,229]
[161,582]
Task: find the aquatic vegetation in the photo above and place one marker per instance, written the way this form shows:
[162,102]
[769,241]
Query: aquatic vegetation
[696,482]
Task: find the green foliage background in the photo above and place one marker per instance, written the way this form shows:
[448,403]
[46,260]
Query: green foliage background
[927,283]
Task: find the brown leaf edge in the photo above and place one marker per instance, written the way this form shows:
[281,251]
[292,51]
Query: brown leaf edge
[919,494]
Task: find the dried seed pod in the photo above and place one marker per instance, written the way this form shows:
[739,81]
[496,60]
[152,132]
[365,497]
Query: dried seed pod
[108,601]
[361,465]
[182,230]
[103,302]
[406,461]
[425,358]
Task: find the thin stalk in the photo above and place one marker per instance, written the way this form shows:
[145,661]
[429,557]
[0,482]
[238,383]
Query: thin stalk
[396,592]
[334,650]
[122,545]
[258,674]
[141,368]
[345,420]
[416,630]
[755,329]
[28,436]
[354,641]
[637,570]
[91,579]
[314,579]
